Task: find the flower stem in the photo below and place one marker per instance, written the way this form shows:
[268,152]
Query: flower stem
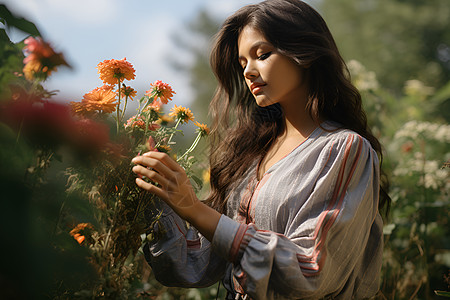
[171,136]
[139,107]
[118,107]
[147,121]
[194,144]
[124,107]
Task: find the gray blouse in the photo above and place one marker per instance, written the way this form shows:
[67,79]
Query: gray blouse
[309,229]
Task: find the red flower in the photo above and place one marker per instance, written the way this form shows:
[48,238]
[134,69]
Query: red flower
[52,125]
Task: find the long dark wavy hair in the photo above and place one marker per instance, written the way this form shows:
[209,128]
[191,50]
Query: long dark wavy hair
[243,131]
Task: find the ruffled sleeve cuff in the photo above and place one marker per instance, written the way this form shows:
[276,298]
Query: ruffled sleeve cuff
[231,238]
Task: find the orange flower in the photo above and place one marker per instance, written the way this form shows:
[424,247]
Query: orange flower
[164,148]
[160,90]
[407,147]
[139,122]
[181,113]
[202,129]
[78,108]
[79,238]
[79,230]
[128,91]
[112,71]
[41,59]
[102,99]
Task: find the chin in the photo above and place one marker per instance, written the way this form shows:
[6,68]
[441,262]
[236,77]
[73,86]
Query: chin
[263,101]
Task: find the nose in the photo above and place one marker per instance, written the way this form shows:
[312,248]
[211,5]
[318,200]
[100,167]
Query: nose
[250,71]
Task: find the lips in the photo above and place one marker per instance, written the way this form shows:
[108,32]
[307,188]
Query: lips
[255,87]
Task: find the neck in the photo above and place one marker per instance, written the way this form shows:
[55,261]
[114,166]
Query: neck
[297,120]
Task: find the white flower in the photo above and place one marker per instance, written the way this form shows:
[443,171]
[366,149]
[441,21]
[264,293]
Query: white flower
[417,88]
[431,131]
[363,80]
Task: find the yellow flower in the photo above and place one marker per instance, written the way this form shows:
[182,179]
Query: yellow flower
[181,113]
[161,90]
[112,71]
[164,120]
[164,148]
[31,68]
[206,176]
[202,128]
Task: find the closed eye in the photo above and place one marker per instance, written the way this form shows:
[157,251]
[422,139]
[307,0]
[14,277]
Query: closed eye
[264,56]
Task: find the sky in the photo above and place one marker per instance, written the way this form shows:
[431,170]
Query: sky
[90,31]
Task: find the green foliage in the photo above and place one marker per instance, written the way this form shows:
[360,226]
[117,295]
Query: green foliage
[398,40]
[7,18]
[417,235]
[11,55]
[11,60]
[200,31]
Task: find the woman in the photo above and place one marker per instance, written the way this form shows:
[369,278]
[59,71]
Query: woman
[295,184]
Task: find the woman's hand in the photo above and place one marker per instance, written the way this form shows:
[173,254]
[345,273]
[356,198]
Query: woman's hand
[174,186]
[175,189]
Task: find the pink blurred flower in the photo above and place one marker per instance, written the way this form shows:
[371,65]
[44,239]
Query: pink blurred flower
[139,122]
[40,58]
[150,144]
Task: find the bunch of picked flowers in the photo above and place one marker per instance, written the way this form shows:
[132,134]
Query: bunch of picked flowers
[124,212]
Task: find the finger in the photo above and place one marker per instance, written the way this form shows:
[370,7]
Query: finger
[155,164]
[151,188]
[150,174]
[165,159]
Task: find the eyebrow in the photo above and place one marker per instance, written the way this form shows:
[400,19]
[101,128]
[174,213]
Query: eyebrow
[255,45]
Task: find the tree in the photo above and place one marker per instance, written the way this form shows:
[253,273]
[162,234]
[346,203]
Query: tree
[201,30]
[397,39]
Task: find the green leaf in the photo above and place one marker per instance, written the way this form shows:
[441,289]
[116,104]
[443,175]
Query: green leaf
[18,22]
[197,181]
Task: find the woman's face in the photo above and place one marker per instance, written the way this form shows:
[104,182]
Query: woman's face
[271,77]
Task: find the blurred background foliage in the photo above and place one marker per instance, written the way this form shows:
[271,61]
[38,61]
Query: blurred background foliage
[398,52]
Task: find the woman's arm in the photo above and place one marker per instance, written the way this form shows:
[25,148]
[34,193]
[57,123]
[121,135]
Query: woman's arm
[176,190]
[179,256]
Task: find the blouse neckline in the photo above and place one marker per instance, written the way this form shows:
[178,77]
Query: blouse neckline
[309,137]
